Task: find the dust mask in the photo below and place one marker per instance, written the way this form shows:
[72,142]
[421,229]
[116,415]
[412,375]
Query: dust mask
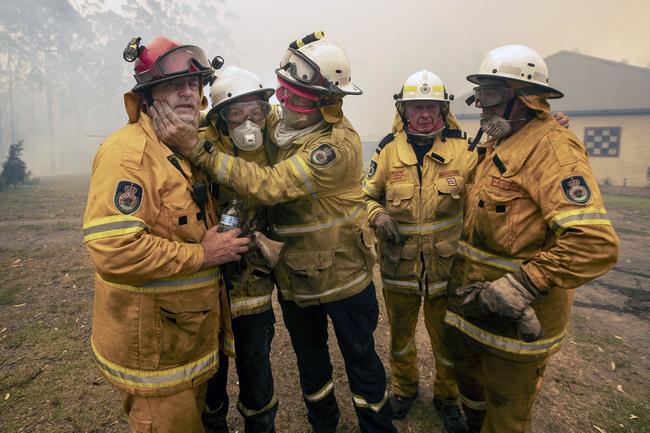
[247,136]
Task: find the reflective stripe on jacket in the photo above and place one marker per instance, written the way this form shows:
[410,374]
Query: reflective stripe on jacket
[251,296]
[156,315]
[429,212]
[318,211]
[534,206]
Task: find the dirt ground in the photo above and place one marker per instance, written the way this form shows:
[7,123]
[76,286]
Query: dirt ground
[599,382]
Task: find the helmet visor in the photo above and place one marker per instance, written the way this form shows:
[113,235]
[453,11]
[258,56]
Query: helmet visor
[490,95]
[239,112]
[181,60]
[300,67]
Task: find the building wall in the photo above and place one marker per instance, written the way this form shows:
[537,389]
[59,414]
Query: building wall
[630,167]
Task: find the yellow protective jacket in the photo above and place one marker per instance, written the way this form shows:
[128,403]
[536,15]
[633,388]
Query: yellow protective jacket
[318,211]
[253,295]
[429,213]
[534,205]
[156,315]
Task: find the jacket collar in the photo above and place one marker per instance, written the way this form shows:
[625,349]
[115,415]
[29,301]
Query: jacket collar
[133,105]
[439,152]
[511,154]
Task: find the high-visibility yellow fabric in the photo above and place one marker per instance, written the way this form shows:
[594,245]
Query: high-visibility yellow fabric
[156,315]
[429,212]
[318,211]
[253,295]
[534,205]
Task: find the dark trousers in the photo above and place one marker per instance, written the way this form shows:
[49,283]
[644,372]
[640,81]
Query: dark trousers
[354,320]
[257,401]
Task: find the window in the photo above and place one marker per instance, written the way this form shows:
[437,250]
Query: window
[603,141]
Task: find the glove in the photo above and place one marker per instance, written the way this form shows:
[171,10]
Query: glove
[270,249]
[509,297]
[391,241]
[387,228]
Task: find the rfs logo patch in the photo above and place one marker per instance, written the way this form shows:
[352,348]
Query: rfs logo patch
[128,197]
[576,190]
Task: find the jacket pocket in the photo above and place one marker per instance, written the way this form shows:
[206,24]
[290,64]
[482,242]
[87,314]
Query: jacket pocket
[495,218]
[407,268]
[399,201]
[451,195]
[188,326]
[367,243]
[310,271]
[445,250]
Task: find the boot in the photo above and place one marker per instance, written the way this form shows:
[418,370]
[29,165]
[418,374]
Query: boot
[214,421]
[452,418]
[401,405]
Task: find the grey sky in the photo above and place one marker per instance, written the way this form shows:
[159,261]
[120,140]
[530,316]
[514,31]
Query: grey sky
[388,40]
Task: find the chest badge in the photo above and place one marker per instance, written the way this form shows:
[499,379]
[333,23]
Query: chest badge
[576,190]
[128,197]
[452,181]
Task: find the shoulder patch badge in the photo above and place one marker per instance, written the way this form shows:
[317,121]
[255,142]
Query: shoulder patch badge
[128,197]
[372,169]
[576,190]
[322,155]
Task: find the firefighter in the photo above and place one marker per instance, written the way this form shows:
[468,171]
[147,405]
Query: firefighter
[535,229]
[240,124]
[159,302]
[319,212]
[415,190]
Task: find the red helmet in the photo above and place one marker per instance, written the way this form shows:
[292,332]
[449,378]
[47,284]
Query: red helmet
[164,60]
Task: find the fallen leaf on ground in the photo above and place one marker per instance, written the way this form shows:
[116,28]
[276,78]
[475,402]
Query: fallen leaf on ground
[619,388]
[16,262]
[613,366]
[7,396]
[632,416]
[599,429]
[20,305]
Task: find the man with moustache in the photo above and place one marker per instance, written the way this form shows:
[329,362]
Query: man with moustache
[415,189]
[535,229]
[149,229]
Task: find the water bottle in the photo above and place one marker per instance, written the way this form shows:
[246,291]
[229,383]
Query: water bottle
[231,216]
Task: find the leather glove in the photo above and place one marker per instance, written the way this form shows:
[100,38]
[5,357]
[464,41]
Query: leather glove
[270,249]
[509,297]
[387,228]
[390,241]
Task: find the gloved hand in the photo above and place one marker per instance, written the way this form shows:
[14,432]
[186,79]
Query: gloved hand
[270,249]
[509,297]
[387,228]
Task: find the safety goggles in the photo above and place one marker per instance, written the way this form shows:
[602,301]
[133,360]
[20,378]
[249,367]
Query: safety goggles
[239,112]
[296,100]
[181,60]
[301,67]
[490,95]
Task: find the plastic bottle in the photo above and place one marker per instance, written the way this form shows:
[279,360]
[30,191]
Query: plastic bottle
[231,216]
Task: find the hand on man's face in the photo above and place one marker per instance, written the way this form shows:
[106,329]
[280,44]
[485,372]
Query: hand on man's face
[175,113]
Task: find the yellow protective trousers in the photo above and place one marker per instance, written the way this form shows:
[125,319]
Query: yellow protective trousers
[403,312]
[176,413]
[497,389]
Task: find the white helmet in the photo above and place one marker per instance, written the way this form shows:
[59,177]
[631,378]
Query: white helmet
[423,86]
[518,63]
[310,60]
[232,83]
